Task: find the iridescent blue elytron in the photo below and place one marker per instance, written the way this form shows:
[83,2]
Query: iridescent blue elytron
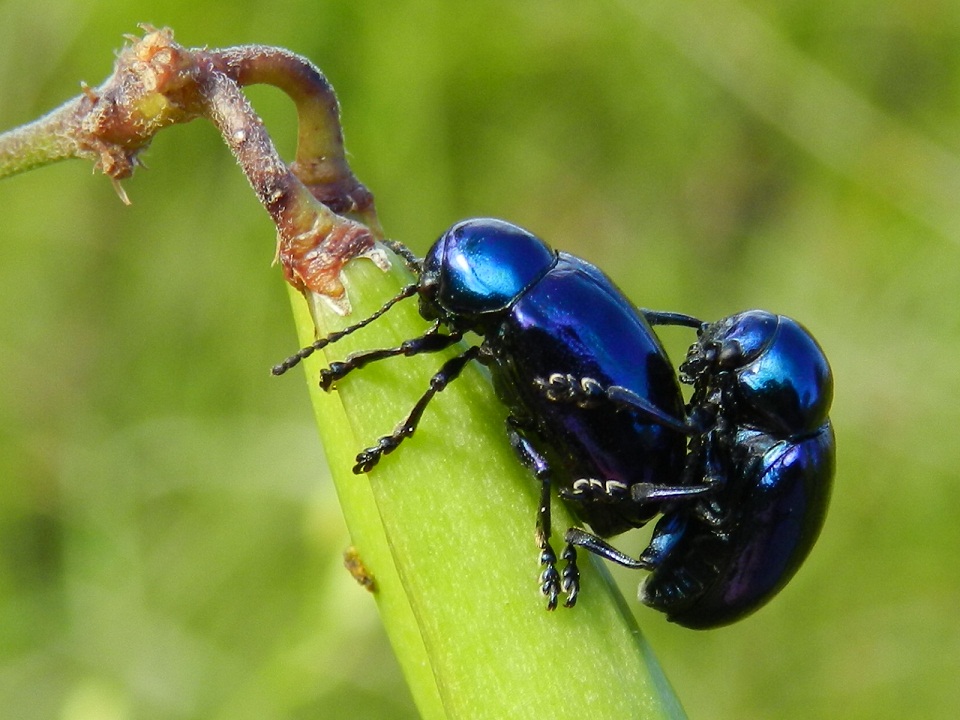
[740,476]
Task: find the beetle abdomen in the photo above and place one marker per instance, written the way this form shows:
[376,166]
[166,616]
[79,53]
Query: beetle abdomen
[717,575]
[575,321]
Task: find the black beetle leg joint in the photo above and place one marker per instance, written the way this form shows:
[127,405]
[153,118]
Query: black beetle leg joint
[566,388]
[556,388]
[593,489]
[580,488]
[591,393]
[330,375]
[369,458]
[615,489]
[712,514]
[642,492]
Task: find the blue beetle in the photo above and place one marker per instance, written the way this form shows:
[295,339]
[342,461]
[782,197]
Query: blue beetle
[764,443]
[540,313]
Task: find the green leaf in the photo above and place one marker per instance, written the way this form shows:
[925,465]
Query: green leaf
[445,525]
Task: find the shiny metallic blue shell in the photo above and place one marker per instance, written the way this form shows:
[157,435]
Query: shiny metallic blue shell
[779,377]
[482,266]
[575,321]
[563,316]
[777,496]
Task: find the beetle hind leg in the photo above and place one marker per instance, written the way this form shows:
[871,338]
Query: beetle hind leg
[588,541]
[552,582]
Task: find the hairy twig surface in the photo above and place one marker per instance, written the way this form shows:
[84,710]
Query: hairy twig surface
[324,215]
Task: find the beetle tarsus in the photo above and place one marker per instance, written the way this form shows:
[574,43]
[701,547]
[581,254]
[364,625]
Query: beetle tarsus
[549,578]
[570,580]
[594,490]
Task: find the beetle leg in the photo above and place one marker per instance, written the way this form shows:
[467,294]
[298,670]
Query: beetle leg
[659,317]
[587,392]
[615,492]
[651,492]
[551,582]
[319,344]
[666,535]
[571,575]
[431,341]
[704,462]
[589,541]
[388,443]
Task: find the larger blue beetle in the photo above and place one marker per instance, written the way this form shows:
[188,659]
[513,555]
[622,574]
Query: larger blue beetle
[541,312]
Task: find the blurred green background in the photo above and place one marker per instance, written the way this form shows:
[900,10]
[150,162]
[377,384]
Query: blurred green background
[170,545]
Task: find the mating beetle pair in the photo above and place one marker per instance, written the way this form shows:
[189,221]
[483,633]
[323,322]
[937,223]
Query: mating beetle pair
[741,475]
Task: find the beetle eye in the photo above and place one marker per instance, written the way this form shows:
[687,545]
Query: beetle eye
[428,284]
[428,294]
[710,353]
[729,354]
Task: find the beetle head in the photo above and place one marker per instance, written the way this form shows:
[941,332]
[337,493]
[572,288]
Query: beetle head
[477,269]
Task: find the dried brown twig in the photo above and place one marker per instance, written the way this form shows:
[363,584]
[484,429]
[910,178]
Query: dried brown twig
[324,215]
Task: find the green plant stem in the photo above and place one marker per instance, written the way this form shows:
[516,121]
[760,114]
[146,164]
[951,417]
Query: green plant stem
[446,527]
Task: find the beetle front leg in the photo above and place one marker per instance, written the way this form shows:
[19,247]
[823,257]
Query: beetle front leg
[448,372]
[552,583]
[430,342]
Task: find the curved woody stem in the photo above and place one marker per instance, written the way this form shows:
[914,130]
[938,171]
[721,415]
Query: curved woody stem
[157,82]
[321,162]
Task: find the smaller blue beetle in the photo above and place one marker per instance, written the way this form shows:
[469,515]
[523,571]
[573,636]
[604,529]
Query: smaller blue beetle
[762,393]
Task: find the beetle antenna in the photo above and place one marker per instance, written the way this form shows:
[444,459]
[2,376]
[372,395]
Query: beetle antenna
[294,360]
[413,263]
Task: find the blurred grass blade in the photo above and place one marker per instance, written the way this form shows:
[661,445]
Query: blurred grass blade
[821,112]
